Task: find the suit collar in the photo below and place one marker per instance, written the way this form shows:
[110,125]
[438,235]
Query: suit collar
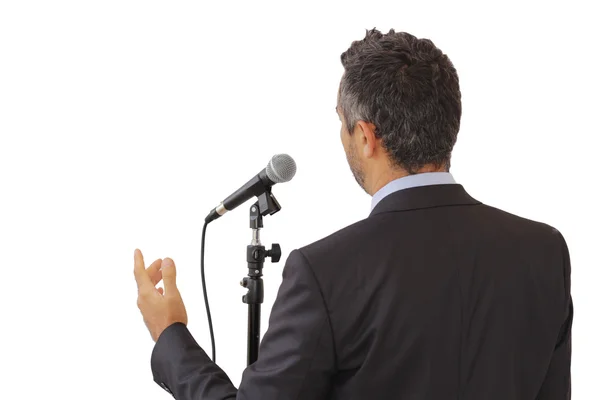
[424,197]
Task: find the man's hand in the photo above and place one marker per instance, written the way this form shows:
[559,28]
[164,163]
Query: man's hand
[159,308]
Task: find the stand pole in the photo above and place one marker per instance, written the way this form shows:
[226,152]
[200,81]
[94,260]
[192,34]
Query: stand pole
[255,257]
[253,332]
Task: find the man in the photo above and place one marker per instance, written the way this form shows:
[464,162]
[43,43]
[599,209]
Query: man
[433,296]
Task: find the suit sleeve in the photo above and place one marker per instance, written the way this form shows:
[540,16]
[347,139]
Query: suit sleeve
[296,358]
[182,368]
[557,383]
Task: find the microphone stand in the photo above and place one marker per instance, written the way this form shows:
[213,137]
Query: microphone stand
[255,256]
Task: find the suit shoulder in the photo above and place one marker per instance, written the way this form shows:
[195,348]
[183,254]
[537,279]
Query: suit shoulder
[501,218]
[341,238]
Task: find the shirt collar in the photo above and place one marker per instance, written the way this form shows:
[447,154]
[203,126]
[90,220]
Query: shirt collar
[410,181]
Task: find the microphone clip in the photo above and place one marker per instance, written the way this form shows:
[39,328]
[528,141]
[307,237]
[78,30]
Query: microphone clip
[266,204]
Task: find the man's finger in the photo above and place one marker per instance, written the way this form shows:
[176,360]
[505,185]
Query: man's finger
[169,274]
[141,277]
[154,272]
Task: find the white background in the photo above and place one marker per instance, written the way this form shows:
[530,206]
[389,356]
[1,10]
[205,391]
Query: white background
[124,122]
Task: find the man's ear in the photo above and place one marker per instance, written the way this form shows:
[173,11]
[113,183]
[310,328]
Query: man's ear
[367,140]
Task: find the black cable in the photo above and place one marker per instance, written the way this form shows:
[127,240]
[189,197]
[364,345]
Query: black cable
[210,326]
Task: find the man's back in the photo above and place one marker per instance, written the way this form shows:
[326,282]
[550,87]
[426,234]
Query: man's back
[436,296]
[433,296]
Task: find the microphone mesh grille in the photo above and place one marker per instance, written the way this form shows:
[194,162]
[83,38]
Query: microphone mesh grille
[281,168]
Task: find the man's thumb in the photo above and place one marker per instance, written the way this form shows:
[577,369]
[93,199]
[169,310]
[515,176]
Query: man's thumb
[169,273]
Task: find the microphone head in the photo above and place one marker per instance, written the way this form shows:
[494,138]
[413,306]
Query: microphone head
[281,168]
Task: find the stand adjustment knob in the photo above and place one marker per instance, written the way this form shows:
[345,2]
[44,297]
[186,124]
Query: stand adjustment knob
[274,253]
[244,282]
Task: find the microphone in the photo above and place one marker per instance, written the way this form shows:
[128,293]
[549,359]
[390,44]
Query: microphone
[281,168]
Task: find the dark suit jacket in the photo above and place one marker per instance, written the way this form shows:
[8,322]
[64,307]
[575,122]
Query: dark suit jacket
[433,296]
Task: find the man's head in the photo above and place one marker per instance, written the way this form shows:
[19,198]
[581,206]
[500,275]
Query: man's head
[400,106]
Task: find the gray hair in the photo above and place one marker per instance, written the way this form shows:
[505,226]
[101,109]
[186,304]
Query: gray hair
[409,90]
